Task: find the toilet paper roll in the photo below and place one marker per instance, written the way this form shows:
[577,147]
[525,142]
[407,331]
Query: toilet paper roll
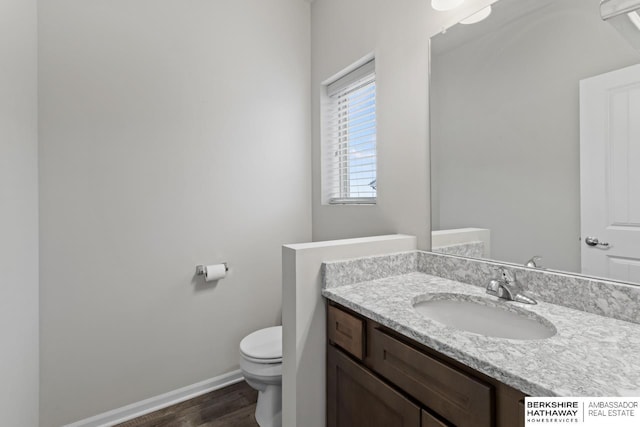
[214,272]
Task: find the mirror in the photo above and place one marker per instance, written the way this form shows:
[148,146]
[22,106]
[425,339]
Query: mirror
[535,139]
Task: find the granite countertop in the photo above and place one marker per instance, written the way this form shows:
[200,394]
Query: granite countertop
[590,355]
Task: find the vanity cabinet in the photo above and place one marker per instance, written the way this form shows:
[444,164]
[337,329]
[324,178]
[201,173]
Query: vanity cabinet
[361,399]
[377,377]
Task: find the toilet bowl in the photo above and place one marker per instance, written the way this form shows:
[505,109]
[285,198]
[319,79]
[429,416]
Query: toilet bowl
[261,365]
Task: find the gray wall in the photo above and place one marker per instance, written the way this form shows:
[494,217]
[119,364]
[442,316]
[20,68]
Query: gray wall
[173,133]
[397,33]
[18,214]
[343,32]
[506,130]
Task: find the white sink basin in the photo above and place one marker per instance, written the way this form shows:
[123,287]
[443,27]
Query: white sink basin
[484,316]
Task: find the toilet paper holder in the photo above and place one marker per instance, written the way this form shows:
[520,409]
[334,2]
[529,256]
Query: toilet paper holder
[200,269]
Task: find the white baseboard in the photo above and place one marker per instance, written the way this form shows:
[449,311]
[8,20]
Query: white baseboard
[129,412]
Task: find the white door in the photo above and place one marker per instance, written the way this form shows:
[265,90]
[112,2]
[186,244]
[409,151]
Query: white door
[610,174]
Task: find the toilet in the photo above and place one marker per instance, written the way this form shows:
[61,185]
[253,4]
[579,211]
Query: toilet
[261,365]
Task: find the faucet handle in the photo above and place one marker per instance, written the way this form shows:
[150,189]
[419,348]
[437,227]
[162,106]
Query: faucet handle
[507,287]
[506,275]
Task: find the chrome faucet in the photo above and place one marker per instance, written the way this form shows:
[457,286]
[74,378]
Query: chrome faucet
[507,287]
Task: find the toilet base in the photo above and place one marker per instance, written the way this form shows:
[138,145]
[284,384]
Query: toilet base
[269,407]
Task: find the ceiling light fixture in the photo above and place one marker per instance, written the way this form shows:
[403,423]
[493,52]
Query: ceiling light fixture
[442,5]
[478,16]
[635,18]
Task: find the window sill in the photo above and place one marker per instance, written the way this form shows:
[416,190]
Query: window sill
[353,201]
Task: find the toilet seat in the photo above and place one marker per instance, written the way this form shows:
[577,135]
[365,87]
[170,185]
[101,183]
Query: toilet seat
[258,360]
[263,346]
[267,373]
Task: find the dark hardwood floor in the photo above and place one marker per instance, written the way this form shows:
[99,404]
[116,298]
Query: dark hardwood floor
[232,406]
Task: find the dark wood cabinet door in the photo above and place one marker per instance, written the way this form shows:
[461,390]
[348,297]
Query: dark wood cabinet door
[509,407]
[454,395]
[521,414]
[357,398]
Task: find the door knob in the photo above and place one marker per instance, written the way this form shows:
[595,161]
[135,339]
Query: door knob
[593,241]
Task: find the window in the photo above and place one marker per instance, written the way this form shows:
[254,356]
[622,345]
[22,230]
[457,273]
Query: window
[349,139]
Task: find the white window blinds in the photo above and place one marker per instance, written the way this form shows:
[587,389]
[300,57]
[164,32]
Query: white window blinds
[349,143]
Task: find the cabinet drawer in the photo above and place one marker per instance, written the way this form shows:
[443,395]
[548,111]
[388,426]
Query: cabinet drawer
[457,397]
[346,331]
